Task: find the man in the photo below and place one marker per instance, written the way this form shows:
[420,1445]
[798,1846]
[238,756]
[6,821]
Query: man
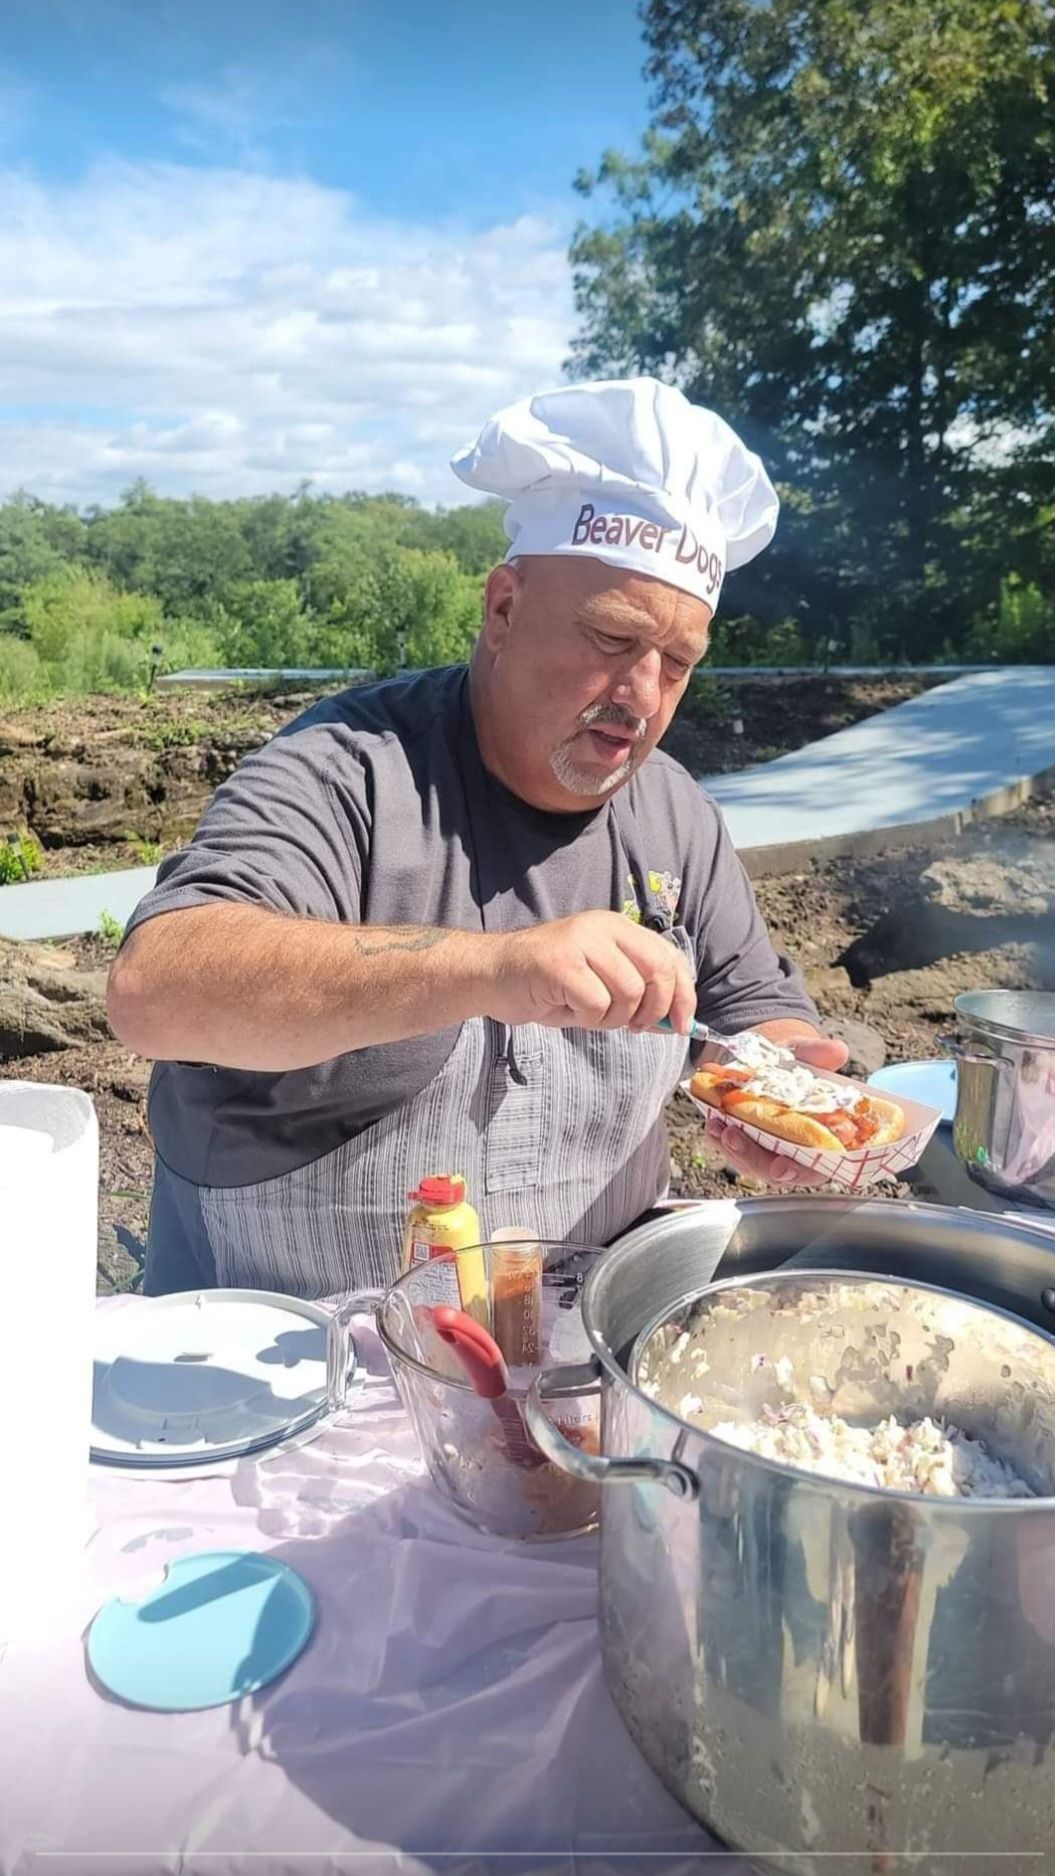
[434,924]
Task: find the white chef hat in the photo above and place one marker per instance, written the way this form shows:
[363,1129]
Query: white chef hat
[628,471]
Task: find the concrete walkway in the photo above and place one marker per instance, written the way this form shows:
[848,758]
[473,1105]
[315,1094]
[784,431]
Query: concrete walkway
[60,908]
[923,768]
[928,764]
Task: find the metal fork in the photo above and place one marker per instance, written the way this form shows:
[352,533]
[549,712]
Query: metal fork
[698,1032]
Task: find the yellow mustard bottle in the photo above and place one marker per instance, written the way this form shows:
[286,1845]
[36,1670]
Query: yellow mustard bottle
[441,1219]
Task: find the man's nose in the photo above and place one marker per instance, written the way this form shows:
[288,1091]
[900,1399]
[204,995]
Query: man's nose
[639,687]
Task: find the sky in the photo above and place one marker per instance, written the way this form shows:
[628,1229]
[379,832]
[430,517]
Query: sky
[247,244]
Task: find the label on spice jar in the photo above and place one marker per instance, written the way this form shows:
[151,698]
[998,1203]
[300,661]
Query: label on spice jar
[516,1293]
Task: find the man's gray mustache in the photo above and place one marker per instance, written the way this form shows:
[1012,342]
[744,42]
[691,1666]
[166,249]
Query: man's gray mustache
[618,719]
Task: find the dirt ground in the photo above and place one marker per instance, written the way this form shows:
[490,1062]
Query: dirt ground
[886,944]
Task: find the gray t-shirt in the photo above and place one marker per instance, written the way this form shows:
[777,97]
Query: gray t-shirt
[375,808]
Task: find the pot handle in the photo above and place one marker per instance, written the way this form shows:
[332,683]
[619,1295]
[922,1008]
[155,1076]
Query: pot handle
[951,1045]
[342,1362]
[594,1468]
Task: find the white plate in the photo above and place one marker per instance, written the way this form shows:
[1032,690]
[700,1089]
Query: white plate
[933,1083]
[205,1375]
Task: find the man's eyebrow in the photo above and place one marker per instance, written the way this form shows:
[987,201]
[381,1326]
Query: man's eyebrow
[620,618]
[624,619]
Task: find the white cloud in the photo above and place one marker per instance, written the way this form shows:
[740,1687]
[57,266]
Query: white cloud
[233,332]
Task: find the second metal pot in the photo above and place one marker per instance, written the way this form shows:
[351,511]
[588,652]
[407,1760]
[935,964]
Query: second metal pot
[1004,1131]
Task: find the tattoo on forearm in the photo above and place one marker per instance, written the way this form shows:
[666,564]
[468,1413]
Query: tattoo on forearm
[417,941]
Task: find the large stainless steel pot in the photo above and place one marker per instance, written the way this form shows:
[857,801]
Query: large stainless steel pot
[729,1638]
[1004,1131]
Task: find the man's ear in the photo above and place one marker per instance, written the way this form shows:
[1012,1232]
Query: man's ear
[504,585]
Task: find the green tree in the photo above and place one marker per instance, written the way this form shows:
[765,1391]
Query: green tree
[268,525]
[475,535]
[35,540]
[183,553]
[840,232]
[400,605]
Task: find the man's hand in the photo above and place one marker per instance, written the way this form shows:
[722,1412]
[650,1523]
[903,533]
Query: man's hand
[760,1163]
[597,970]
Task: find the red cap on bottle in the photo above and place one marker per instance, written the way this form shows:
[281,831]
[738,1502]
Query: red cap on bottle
[440,1189]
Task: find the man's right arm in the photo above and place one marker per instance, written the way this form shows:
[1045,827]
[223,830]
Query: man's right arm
[242,986]
[245,987]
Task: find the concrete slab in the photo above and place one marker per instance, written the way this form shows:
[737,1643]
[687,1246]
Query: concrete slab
[925,761]
[62,908]
[253,674]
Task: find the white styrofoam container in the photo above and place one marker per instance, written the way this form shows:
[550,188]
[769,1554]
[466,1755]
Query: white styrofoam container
[49,1181]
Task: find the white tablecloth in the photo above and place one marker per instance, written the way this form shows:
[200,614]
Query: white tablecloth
[449,1713]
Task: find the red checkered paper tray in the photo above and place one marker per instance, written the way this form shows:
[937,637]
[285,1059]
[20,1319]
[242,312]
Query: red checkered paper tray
[848,1170]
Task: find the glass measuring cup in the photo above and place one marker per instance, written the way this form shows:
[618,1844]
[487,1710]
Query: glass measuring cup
[469,1456]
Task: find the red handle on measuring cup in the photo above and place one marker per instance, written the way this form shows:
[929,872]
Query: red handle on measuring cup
[476,1348]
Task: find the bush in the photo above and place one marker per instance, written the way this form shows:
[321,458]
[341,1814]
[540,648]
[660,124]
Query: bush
[20,857]
[23,678]
[261,623]
[80,605]
[87,635]
[187,645]
[751,641]
[110,930]
[706,701]
[1021,631]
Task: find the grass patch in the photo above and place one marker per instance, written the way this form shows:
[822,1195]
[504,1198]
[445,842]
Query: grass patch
[20,857]
[110,931]
[178,735]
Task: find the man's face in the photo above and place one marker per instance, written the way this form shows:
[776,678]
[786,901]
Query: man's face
[579,670]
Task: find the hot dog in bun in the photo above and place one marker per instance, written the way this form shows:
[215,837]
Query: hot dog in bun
[795,1104]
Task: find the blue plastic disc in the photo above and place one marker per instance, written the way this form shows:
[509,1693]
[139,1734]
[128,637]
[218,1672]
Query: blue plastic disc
[933,1083]
[222,1624]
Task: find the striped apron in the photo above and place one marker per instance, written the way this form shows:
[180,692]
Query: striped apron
[561,1131]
